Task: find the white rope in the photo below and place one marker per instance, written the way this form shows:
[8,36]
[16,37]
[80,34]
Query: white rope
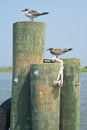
[59,80]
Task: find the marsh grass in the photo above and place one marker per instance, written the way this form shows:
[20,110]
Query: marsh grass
[5,69]
[10,69]
[83,69]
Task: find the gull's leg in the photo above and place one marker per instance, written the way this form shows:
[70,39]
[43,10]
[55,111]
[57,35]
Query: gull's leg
[32,19]
[56,56]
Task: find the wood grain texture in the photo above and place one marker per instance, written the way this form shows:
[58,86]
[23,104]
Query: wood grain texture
[45,99]
[28,48]
[70,96]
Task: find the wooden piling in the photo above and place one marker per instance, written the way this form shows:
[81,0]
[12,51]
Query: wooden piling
[28,47]
[70,96]
[35,102]
[45,99]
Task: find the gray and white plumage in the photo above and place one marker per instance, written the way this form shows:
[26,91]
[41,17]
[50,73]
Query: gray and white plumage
[58,51]
[33,13]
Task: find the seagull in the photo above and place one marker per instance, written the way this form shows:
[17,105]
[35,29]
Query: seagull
[58,51]
[33,13]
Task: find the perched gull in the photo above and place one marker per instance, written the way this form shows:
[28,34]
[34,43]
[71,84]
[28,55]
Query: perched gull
[33,13]
[58,51]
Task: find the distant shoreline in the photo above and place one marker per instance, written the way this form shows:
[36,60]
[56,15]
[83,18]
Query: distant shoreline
[83,69]
[10,69]
[5,69]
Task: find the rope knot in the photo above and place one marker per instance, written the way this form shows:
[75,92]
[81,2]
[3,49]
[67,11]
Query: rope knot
[59,80]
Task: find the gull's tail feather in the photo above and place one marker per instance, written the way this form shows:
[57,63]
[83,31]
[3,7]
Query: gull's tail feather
[70,49]
[45,13]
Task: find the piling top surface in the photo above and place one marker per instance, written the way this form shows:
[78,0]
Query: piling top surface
[28,22]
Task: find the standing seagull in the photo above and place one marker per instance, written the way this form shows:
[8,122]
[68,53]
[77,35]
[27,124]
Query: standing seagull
[58,51]
[33,13]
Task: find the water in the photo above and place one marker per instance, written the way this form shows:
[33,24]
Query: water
[6,88]
[83,102]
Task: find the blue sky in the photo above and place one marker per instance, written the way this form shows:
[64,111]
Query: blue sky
[66,26]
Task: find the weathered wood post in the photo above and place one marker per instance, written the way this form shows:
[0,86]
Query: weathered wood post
[28,47]
[70,96]
[35,102]
[45,98]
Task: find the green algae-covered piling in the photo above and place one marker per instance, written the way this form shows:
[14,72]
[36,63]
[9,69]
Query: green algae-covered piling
[70,96]
[45,99]
[36,103]
[28,47]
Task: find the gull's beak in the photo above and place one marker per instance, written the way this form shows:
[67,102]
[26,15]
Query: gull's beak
[47,49]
